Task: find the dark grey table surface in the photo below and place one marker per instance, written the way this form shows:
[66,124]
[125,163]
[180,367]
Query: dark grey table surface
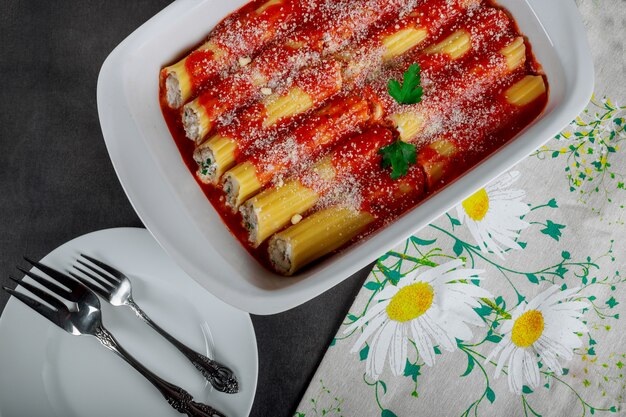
[57,183]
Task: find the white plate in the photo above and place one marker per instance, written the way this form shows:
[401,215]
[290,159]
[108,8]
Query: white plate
[47,372]
[174,209]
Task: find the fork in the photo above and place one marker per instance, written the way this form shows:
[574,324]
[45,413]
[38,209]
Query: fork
[115,287]
[86,319]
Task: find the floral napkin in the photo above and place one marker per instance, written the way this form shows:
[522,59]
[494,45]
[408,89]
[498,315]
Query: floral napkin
[509,304]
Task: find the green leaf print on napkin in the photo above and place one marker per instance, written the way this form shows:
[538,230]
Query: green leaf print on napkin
[592,148]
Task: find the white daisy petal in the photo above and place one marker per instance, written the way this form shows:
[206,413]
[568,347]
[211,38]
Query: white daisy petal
[515,208]
[438,271]
[411,277]
[505,240]
[505,180]
[531,370]
[398,353]
[507,196]
[430,324]
[507,326]
[469,289]
[367,317]
[380,347]
[572,324]
[548,358]
[460,213]
[369,330]
[371,365]
[493,355]
[388,292]
[459,330]
[541,298]
[457,302]
[506,353]
[477,234]
[549,329]
[516,372]
[558,348]
[425,347]
[494,246]
[465,313]
[560,296]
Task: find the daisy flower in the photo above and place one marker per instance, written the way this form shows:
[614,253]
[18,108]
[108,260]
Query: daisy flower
[493,213]
[431,308]
[543,329]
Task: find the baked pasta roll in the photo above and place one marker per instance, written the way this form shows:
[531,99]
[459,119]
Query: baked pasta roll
[327,34]
[411,120]
[240,35]
[316,236]
[329,229]
[327,127]
[274,208]
[450,155]
[412,31]
[217,154]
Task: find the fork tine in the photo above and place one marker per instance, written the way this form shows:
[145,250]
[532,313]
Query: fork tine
[98,278]
[56,275]
[68,295]
[111,280]
[44,295]
[117,274]
[55,288]
[40,308]
[93,287]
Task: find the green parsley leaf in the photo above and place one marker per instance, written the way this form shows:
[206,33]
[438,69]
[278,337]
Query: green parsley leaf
[399,155]
[411,91]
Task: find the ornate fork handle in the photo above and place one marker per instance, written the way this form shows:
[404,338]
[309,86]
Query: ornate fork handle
[177,397]
[219,376]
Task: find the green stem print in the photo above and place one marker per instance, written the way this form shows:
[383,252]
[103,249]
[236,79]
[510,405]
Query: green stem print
[488,393]
[324,404]
[584,404]
[551,273]
[375,385]
[589,146]
[528,408]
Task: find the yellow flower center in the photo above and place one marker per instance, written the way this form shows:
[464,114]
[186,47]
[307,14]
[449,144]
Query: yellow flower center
[410,302]
[477,205]
[527,328]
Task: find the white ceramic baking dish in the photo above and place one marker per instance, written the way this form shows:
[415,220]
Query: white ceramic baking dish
[174,209]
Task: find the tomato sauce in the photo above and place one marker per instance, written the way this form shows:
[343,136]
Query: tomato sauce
[312,138]
[463,98]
